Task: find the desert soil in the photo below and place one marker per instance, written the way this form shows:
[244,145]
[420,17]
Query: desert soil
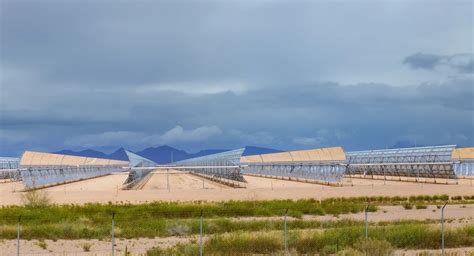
[187,187]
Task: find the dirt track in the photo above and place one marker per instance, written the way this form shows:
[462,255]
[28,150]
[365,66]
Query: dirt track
[177,181]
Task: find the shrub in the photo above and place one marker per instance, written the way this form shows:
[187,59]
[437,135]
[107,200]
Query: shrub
[444,197]
[241,243]
[421,206]
[35,198]
[349,252]
[407,206]
[86,247]
[42,244]
[176,229]
[372,247]
[180,249]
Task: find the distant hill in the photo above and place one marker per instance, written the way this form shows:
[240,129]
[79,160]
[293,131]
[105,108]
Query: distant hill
[119,154]
[163,154]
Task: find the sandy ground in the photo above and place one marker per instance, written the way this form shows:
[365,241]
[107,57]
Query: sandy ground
[140,246]
[106,183]
[448,252]
[189,188]
[267,183]
[178,181]
[76,247]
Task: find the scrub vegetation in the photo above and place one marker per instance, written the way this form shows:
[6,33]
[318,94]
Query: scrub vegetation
[341,241]
[242,218]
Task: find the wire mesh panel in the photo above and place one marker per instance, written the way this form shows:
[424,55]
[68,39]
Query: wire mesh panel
[47,176]
[429,162]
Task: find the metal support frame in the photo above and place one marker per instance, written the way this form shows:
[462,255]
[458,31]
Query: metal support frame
[9,163]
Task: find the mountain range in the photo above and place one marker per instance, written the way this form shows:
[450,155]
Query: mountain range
[166,154]
[162,154]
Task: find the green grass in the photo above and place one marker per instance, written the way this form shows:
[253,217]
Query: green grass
[168,227]
[166,218]
[402,236]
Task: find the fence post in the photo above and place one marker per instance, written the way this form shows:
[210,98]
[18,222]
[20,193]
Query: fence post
[366,222]
[18,237]
[200,235]
[284,233]
[113,233]
[442,228]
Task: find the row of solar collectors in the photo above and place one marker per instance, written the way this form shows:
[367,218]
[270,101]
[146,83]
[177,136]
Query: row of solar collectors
[41,177]
[9,162]
[12,174]
[227,173]
[330,173]
[227,158]
[404,155]
[435,161]
[212,164]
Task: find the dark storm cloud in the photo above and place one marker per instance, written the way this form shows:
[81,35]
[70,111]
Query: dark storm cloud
[215,74]
[422,60]
[312,115]
[463,63]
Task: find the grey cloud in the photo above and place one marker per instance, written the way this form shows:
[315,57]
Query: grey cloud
[463,63]
[78,74]
[140,139]
[116,44]
[318,114]
[423,61]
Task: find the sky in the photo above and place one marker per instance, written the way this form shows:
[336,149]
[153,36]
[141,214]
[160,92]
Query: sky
[226,74]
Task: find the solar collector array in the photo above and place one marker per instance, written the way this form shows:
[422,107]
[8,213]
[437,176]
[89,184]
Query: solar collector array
[323,164]
[40,169]
[221,165]
[429,162]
